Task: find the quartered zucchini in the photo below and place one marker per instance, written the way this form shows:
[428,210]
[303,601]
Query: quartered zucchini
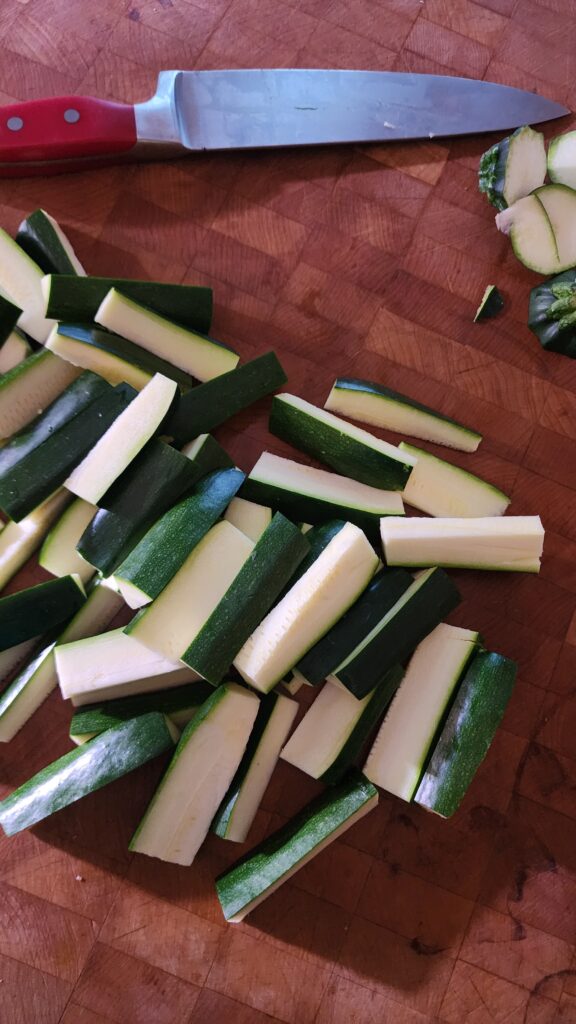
[58,554]
[335,729]
[513,167]
[397,759]
[206,759]
[257,875]
[238,808]
[29,612]
[552,313]
[318,538]
[540,229]
[468,732]
[510,543]
[349,450]
[491,304]
[313,604]
[18,541]
[42,238]
[75,300]
[31,386]
[441,489]
[161,552]
[562,159]
[21,281]
[313,495]
[108,757]
[251,519]
[179,705]
[195,353]
[421,607]
[15,349]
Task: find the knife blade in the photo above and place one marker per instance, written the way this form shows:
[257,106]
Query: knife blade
[196,111]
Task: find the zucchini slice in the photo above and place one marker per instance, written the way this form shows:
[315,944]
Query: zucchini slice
[38,678]
[21,281]
[334,730]
[176,617]
[559,202]
[349,450]
[206,758]
[373,403]
[397,758]
[75,300]
[258,874]
[315,602]
[251,519]
[510,543]
[15,349]
[421,607]
[314,495]
[469,730]
[179,705]
[195,353]
[42,238]
[29,387]
[162,551]
[552,313]
[540,229]
[114,665]
[82,771]
[212,403]
[18,541]
[491,304]
[238,809]
[380,596]
[123,440]
[58,554]
[249,597]
[441,489]
[513,167]
[562,160]
[35,610]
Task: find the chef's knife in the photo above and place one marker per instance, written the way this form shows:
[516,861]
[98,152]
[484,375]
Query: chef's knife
[194,111]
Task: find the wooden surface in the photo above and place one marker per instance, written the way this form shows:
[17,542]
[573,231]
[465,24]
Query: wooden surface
[367,262]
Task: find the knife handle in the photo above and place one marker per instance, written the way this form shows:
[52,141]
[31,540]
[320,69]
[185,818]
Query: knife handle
[66,128]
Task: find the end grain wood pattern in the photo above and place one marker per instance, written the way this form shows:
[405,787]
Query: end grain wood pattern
[371,261]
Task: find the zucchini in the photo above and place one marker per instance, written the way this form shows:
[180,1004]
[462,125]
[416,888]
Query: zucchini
[237,811]
[513,167]
[249,597]
[335,729]
[212,403]
[313,495]
[114,358]
[562,159]
[511,543]
[491,304]
[82,771]
[421,607]
[469,730]
[42,238]
[179,817]
[13,657]
[35,610]
[178,614]
[552,313]
[242,887]
[9,316]
[75,299]
[15,349]
[373,403]
[122,442]
[18,541]
[559,202]
[540,229]
[113,665]
[40,472]
[314,603]
[318,538]
[441,489]
[197,354]
[397,758]
[207,455]
[161,552]
[179,705]
[251,519]
[380,595]
[38,678]
[58,554]
[349,450]
[20,281]
[29,387]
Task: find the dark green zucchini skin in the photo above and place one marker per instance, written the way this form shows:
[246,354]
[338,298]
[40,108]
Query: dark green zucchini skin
[215,401]
[75,299]
[552,313]
[106,341]
[38,609]
[492,172]
[492,303]
[9,314]
[37,238]
[96,718]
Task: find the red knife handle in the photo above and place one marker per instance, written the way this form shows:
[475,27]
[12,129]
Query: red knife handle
[65,128]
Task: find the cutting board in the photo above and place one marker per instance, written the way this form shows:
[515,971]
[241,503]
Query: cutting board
[365,261]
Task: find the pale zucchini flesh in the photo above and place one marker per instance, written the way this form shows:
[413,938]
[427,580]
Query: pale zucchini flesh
[512,543]
[248,517]
[89,357]
[29,387]
[441,489]
[559,202]
[18,541]
[532,235]
[513,167]
[58,554]
[20,278]
[13,351]
[562,159]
